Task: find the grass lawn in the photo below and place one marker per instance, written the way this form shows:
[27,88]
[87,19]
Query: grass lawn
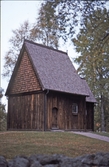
[102,133]
[66,143]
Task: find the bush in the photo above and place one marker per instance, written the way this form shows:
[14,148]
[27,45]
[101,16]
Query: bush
[3,118]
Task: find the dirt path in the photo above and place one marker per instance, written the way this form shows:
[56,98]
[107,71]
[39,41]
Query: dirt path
[92,135]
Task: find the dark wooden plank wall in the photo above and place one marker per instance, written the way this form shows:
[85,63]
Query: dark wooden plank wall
[66,120]
[26,112]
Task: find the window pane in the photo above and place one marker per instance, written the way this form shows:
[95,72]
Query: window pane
[74,108]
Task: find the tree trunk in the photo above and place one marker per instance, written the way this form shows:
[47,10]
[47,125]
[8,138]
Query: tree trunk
[102,115]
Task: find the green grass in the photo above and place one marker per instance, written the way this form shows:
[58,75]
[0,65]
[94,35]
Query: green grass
[102,133]
[69,144]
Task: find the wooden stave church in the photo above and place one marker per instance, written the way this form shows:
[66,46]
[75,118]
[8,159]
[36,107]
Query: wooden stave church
[45,92]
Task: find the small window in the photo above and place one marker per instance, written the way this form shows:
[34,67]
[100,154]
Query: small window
[74,108]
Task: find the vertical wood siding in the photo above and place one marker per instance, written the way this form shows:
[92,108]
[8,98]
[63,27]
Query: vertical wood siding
[65,118]
[26,112]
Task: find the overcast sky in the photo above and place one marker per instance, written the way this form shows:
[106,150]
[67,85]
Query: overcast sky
[14,13]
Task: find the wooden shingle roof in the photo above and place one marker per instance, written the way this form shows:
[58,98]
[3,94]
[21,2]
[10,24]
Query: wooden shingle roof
[91,97]
[54,69]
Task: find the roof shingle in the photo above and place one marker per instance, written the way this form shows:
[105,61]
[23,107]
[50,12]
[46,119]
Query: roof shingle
[55,69]
[91,97]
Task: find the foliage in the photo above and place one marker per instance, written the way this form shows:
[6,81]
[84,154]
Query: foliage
[92,42]
[3,118]
[56,19]
[70,15]
[68,144]
[87,22]
[16,42]
[45,31]
[46,28]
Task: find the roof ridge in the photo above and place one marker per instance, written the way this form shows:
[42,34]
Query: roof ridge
[48,47]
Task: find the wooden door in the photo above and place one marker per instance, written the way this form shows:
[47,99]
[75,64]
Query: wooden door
[74,116]
[54,118]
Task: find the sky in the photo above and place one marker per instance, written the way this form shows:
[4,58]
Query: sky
[13,14]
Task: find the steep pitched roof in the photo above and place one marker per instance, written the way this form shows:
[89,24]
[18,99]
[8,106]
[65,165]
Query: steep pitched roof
[91,97]
[55,70]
